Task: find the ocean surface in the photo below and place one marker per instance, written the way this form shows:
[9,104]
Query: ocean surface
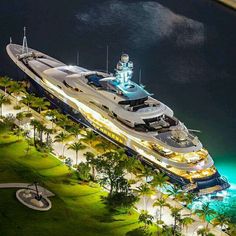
[186,50]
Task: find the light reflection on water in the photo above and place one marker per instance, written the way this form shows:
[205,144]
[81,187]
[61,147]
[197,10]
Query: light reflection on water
[224,201]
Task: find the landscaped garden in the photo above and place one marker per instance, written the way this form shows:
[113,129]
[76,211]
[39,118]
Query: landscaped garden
[77,208]
[81,206]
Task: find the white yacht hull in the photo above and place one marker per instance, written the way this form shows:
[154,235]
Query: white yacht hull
[132,144]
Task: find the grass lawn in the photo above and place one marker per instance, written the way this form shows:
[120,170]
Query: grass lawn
[76,209]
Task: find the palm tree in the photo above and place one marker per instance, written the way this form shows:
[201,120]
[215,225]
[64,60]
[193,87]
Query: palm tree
[231,230]
[161,202]
[48,132]
[20,116]
[52,115]
[28,99]
[40,104]
[39,127]
[34,123]
[166,231]
[15,89]
[188,198]
[18,132]
[185,222]
[5,82]
[75,130]
[175,213]
[159,180]
[133,166]
[205,212]
[63,121]
[3,100]
[145,191]
[204,232]
[222,220]
[61,138]
[145,173]
[29,141]
[121,154]
[174,191]
[145,218]
[102,145]
[77,146]
[90,137]
[90,157]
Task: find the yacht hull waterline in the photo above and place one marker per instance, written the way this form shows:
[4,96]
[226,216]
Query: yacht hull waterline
[126,114]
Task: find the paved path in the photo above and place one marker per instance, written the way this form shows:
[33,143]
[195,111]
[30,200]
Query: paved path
[169,220]
[57,149]
[41,189]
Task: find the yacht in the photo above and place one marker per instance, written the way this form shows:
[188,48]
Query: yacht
[125,113]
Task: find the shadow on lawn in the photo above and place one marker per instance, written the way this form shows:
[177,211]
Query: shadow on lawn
[28,174]
[107,218]
[77,196]
[9,143]
[141,231]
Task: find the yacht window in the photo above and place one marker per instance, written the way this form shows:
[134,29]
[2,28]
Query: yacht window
[66,71]
[67,85]
[105,107]
[133,102]
[141,127]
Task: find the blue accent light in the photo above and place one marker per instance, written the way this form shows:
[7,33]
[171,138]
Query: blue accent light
[124,70]
[94,79]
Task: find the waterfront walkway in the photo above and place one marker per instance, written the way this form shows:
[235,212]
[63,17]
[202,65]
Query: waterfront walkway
[57,149]
[169,220]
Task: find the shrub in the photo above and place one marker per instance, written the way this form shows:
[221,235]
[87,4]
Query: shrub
[17,107]
[62,157]
[28,114]
[121,202]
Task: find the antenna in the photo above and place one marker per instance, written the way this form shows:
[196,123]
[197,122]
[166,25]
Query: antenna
[10,40]
[140,77]
[25,45]
[107,62]
[77,58]
[195,130]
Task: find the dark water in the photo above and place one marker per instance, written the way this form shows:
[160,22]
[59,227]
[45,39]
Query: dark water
[186,49]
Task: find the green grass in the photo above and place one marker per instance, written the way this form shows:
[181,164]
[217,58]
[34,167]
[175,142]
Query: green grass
[76,209]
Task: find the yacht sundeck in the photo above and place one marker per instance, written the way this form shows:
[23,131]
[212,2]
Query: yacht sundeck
[124,112]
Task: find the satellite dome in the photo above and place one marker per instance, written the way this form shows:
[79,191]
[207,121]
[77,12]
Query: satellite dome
[124,58]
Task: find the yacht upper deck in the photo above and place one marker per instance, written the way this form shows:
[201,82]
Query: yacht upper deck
[129,102]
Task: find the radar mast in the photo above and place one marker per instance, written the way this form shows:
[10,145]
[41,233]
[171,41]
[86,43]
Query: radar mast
[124,69]
[25,48]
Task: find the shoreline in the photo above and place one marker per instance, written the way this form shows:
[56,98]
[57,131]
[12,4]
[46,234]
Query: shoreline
[228,3]
[174,203]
